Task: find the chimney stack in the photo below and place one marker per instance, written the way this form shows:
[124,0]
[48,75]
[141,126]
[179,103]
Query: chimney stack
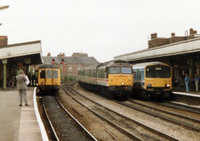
[173,34]
[153,36]
[192,32]
[49,54]
[3,41]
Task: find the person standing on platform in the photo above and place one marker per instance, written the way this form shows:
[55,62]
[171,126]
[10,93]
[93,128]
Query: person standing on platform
[22,87]
[178,81]
[187,80]
[196,80]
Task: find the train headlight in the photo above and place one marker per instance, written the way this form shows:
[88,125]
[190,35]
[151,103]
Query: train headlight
[167,85]
[149,85]
[122,83]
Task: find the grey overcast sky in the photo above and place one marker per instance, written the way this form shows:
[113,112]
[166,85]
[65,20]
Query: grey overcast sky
[101,28]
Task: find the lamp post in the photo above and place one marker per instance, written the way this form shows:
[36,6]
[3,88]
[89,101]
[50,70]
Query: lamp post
[2,8]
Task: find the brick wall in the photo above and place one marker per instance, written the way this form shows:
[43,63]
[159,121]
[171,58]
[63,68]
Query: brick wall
[158,42]
[155,41]
[3,41]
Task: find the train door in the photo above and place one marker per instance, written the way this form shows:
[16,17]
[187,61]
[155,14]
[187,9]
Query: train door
[55,77]
[41,77]
[48,77]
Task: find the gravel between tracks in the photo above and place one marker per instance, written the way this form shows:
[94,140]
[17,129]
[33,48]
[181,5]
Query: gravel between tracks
[166,127]
[100,129]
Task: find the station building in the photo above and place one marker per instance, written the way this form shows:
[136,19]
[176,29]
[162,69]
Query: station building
[181,52]
[17,56]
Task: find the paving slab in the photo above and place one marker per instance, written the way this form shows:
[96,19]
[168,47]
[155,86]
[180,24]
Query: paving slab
[18,123]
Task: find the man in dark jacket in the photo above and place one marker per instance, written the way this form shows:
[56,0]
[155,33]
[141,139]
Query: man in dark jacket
[22,87]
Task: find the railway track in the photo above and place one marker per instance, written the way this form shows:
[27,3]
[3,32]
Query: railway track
[179,118]
[63,124]
[175,105]
[131,128]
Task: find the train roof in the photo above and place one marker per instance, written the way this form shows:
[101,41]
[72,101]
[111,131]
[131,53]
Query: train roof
[142,65]
[43,66]
[115,63]
[107,64]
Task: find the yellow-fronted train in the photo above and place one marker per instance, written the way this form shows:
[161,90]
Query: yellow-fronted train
[48,79]
[152,80]
[113,79]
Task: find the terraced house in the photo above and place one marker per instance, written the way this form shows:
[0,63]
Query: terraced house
[70,64]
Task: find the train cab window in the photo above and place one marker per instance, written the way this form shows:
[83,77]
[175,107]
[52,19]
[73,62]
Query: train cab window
[114,70]
[49,74]
[158,72]
[42,74]
[126,70]
[55,74]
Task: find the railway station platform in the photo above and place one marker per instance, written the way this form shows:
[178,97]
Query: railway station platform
[183,91]
[191,98]
[18,123]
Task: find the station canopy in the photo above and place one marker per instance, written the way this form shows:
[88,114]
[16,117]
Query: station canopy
[28,52]
[178,48]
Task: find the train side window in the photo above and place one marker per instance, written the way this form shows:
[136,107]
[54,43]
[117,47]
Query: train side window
[49,74]
[135,74]
[42,74]
[138,74]
[89,73]
[93,74]
[101,73]
[55,74]
[142,75]
[86,73]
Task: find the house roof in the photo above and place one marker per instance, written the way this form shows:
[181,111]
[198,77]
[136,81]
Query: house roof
[71,60]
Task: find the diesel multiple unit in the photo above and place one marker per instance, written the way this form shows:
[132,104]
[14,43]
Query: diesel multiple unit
[152,80]
[48,78]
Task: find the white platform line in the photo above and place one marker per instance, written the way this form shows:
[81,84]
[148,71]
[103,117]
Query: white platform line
[41,125]
[187,94]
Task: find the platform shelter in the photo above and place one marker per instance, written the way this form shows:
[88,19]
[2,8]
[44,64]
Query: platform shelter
[18,56]
[182,53]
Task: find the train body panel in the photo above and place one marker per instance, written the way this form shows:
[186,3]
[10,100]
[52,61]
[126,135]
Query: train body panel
[120,79]
[102,82]
[158,82]
[152,79]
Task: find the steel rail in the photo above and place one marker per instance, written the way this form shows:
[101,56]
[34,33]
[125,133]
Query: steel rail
[138,123]
[167,112]
[49,120]
[76,120]
[182,107]
[162,117]
[108,121]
